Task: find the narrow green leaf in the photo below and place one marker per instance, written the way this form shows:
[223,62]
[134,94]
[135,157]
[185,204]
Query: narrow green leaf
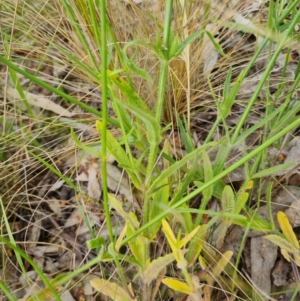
[208,175]
[153,127]
[130,94]
[129,218]
[140,72]
[227,200]
[187,141]
[119,154]
[185,42]
[90,150]
[160,199]
[96,243]
[138,246]
[272,170]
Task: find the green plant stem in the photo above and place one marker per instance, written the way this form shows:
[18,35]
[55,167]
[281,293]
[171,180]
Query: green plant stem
[7,292]
[159,106]
[167,27]
[104,82]
[219,176]
[165,61]
[288,10]
[104,120]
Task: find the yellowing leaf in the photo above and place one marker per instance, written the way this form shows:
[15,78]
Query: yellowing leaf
[156,266]
[120,239]
[179,286]
[288,257]
[285,254]
[196,245]
[283,244]
[241,201]
[186,239]
[287,229]
[117,205]
[110,289]
[202,262]
[249,185]
[170,235]
[221,264]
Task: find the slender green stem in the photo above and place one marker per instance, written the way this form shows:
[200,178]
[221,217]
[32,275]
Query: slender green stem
[165,61]
[167,28]
[288,10]
[159,104]
[104,82]
[161,89]
[7,292]
[104,119]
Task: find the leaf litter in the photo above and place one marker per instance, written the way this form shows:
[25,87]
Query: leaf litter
[50,224]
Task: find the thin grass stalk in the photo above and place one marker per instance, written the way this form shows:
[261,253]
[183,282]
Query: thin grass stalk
[159,104]
[288,10]
[7,292]
[80,34]
[12,239]
[95,23]
[218,177]
[104,83]
[104,119]
[289,96]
